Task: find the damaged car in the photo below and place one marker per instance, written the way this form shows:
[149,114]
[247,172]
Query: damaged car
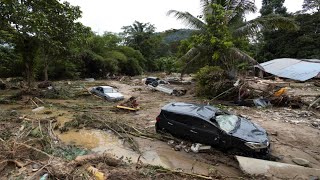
[154,81]
[209,125]
[107,92]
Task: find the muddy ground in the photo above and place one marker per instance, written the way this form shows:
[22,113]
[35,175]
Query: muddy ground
[294,133]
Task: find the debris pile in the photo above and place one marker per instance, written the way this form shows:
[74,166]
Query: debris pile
[264,93]
[29,149]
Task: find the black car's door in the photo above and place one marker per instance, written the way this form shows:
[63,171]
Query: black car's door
[204,132]
[177,124]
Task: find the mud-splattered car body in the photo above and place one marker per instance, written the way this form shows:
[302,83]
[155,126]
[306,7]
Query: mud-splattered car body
[212,126]
[107,92]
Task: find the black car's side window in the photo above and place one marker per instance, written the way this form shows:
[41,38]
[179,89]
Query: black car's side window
[201,124]
[179,118]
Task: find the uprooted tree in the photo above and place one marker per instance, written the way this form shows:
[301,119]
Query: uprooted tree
[31,25]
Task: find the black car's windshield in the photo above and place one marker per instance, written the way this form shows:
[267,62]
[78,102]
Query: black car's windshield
[227,122]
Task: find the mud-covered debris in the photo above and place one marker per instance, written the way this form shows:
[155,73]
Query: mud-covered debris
[45,84]
[176,80]
[171,143]
[38,109]
[197,147]
[3,85]
[97,174]
[301,162]
[89,79]
[131,104]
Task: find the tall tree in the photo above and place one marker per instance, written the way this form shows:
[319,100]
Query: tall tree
[273,7]
[142,37]
[304,42]
[33,24]
[217,15]
[311,5]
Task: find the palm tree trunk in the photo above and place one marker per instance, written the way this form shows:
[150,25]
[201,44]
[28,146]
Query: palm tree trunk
[183,71]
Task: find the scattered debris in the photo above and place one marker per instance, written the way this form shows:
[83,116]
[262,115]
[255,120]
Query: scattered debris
[168,90]
[89,79]
[38,109]
[176,80]
[131,104]
[94,171]
[275,169]
[3,85]
[197,147]
[260,102]
[45,84]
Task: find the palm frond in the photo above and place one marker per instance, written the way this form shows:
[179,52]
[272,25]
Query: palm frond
[187,19]
[242,7]
[270,22]
[190,54]
[236,53]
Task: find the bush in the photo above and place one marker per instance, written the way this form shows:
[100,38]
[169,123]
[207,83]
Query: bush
[212,81]
[167,64]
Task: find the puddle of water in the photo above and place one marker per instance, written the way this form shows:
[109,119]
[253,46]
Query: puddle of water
[153,152]
[90,139]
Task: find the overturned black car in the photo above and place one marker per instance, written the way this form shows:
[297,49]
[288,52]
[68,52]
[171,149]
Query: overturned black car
[212,126]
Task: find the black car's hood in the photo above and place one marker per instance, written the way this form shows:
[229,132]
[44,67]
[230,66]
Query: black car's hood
[250,132]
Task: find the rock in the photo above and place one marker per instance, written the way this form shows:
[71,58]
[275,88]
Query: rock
[314,124]
[171,143]
[13,113]
[301,162]
[177,147]
[35,167]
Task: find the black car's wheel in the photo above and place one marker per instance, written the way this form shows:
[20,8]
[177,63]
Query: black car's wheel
[160,130]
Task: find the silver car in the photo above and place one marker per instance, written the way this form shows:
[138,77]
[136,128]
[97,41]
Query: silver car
[108,93]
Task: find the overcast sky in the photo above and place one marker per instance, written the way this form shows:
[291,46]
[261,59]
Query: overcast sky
[111,15]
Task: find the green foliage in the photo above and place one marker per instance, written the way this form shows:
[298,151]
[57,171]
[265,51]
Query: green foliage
[135,61]
[273,7]
[68,152]
[304,43]
[103,55]
[34,24]
[175,35]
[168,64]
[10,62]
[211,81]
[142,37]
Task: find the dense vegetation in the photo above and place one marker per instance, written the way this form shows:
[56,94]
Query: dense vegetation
[43,40]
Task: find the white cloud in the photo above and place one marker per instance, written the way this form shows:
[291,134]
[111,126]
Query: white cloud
[111,15]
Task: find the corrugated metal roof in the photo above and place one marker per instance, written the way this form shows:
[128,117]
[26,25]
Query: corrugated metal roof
[296,69]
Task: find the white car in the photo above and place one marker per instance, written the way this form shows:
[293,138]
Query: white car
[108,93]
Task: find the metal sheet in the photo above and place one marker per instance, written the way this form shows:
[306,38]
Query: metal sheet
[295,69]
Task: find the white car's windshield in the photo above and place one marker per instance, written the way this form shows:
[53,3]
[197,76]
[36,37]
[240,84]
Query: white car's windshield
[227,122]
[109,90]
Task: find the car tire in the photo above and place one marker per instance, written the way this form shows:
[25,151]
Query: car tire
[160,130]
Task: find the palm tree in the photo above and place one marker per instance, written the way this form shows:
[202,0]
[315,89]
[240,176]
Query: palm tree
[234,15]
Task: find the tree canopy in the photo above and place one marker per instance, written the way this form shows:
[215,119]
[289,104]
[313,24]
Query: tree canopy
[29,24]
